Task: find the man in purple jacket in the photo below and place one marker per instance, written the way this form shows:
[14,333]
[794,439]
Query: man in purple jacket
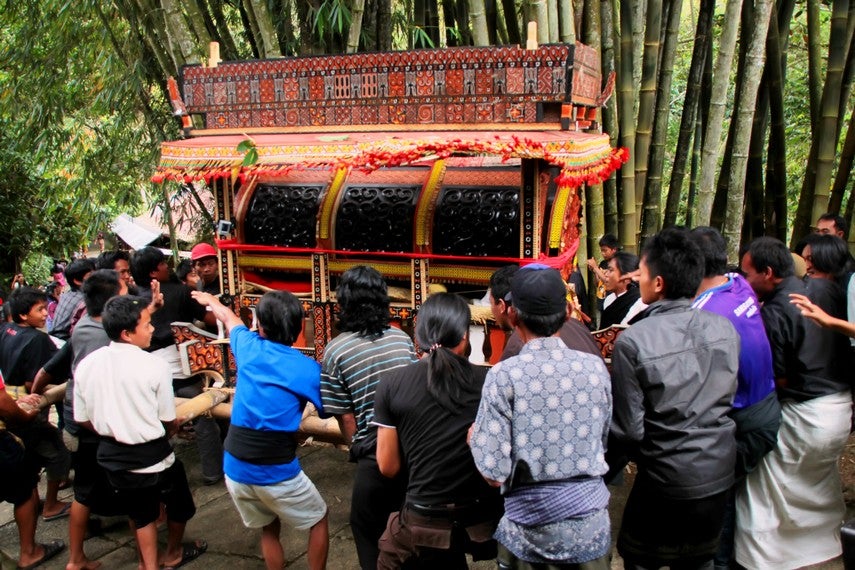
[756,409]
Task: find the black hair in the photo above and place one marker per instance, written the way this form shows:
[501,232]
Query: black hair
[500,281]
[767,252]
[839,222]
[542,325]
[714,249]
[122,314]
[626,262]
[828,253]
[183,269]
[363,302]
[98,288]
[674,256]
[23,299]
[143,262]
[610,241]
[77,270]
[442,324]
[280,314]
[108,259]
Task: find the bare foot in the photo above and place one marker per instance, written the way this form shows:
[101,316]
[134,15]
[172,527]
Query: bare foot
[85,565]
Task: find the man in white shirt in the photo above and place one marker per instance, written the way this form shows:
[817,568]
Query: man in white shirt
[124,394]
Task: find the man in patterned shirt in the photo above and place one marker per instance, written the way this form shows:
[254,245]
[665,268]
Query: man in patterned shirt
[540,434]
[353,364]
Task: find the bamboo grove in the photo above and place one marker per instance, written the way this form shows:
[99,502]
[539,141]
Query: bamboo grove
[706,100]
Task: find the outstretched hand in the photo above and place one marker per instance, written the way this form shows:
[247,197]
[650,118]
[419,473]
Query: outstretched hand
[156,296]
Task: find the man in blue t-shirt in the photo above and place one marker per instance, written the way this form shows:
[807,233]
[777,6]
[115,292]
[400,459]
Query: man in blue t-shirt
[275,381]
[756,409]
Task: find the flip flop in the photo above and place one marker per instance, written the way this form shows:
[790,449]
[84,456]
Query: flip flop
[52,548]
[189,551]
[66,510]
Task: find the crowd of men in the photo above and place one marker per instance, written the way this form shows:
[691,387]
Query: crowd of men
[731,400]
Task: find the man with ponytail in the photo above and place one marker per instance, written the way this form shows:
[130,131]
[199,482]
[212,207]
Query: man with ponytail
[540,434]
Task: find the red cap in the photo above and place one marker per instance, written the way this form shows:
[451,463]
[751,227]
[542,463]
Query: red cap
[201,250]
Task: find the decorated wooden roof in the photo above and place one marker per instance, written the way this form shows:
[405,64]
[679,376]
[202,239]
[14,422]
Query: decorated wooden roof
[467,85]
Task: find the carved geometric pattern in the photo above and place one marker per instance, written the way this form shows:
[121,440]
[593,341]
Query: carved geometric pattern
[283,215]
[376,218]
[450,85]
[477,221]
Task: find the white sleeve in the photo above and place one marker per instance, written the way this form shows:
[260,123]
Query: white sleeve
[165,394]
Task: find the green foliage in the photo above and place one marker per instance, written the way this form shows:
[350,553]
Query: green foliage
[36,268]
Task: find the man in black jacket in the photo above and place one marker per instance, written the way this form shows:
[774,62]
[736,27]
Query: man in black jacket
[792,508]
[673,380]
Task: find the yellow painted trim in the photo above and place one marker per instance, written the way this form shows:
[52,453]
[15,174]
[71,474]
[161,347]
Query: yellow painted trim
[328,206]
[427,203]
[270,262]
[556,221]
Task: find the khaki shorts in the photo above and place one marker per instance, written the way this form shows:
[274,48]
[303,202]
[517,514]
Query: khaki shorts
[295,501]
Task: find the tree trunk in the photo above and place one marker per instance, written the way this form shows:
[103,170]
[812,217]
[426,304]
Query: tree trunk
[626,96]
[776,166]
[512,22]
[552,19]
[384,25]
[817,180]
[712,138]
[844,167]
[478,22]
[228,51]
[197,23]
[814,60]
[690,110]
[566,17]
[609,113]
[694,173]
[180,36]
[651,221]
[647,97]
[268,43]
[755,60]
[355,31]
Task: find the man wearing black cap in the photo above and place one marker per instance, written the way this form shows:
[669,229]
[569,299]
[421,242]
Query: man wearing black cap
[673,381]
[539,434]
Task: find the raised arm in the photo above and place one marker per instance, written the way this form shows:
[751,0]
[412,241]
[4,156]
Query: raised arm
[220,311]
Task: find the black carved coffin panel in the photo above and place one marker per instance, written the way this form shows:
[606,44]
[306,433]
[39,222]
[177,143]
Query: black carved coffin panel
[283,215]
[477,221]
[376,218]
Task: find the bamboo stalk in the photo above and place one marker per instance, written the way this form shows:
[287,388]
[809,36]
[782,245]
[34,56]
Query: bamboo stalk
[647,97]
[755,59]
[718,101]
[626,95]
[478,22]
[700,53]
[355,31]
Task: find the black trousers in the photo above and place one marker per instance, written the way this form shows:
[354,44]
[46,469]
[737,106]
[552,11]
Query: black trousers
[662,531]
[374,498]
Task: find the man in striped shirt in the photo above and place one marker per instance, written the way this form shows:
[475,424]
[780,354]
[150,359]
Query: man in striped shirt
[352,367]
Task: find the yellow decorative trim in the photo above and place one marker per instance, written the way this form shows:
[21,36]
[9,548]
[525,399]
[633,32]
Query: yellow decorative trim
[387,269]
[330,199]
[460,273]
[427,203]
[556,222]
[269,262]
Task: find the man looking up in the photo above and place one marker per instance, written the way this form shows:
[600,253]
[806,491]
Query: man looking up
[124,394]
[792,508]
[673,378]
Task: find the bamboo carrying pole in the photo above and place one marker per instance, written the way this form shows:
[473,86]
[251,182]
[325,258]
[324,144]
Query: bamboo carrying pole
[214,401]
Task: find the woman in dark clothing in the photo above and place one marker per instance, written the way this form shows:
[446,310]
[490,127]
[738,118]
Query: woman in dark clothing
[624,300]
[423,413]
